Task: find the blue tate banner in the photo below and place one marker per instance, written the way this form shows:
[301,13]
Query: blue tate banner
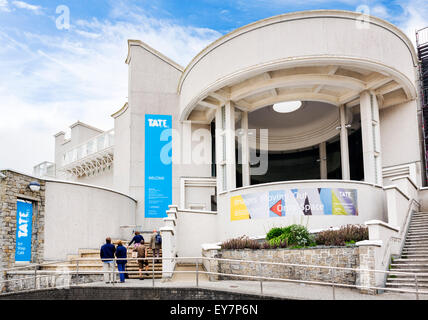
[24,227]
[158,165]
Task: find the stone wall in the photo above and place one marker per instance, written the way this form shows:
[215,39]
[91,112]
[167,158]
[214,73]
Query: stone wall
[355,257]
[15,186]
[27,280]
[134,293]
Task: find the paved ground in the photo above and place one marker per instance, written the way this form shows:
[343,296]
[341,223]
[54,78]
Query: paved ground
[274,289]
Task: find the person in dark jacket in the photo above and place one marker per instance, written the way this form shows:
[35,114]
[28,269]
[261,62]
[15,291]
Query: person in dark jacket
[137,239]
[121,253]
[107,256]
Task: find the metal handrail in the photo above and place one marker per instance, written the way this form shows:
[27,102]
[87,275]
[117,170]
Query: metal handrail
[259,277]
[406,223]
[402,235]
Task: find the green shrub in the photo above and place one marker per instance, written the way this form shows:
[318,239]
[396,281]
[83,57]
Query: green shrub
[293,235]
[279,241]
[273,233]
[299,236]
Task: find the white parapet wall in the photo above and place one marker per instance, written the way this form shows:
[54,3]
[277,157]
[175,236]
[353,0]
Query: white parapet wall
[82,216]
[193,229]
[370,205]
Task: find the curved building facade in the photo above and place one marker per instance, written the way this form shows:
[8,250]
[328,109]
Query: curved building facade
[308,117]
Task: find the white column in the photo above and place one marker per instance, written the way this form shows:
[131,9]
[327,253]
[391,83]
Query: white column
[245,150]
[377,146]
[323,160]
[168,264]
[230,146]
[369,112]
[344,149]
[219,146]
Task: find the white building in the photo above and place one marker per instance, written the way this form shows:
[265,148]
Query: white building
[350,153]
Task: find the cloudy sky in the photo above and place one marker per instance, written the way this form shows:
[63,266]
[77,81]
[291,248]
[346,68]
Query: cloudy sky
[53,73]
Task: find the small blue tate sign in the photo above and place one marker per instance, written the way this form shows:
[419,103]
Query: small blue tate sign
[158,165]
[24,228]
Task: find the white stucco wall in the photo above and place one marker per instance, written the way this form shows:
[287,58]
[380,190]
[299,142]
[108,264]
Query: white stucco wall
[101,179]
[423,199]
[122,152]
[400,136]
[194,229]
[82,216]
[153,83]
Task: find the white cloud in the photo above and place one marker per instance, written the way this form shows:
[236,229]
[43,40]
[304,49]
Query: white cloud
[49,82]
[413,17]
[27,6]
[4,6]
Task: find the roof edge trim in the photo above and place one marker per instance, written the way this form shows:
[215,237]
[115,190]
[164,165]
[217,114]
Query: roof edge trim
[145,46]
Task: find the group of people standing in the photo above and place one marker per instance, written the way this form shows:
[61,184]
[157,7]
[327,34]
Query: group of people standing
[109,252]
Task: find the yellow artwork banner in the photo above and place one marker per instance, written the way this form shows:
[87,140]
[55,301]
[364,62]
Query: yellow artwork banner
[238,209]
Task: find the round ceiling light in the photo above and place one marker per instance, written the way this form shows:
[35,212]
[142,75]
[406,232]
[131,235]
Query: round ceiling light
[287,107]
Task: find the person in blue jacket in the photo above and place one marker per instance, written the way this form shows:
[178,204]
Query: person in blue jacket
[107,256]
[121,253]
[137,239]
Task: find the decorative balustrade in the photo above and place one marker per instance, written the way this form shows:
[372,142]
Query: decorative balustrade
[99,143]
[90,157]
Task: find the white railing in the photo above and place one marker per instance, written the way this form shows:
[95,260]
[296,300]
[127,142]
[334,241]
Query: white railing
[35,274]
[94,145]
[422,36]
[44,169]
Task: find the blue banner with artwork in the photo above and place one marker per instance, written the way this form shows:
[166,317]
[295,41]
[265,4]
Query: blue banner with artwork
[158,165]
[24,230]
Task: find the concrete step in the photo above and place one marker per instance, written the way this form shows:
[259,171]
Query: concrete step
[413,225]
[414,250]
[92,257]
[416,240]
[417,234]
[411,260]
[414,256]
[149,277]
[416,237]
[94,267]
[421,265]
[408,279]
[411,286]
[413,244]
[411,270]
[72,267]
[417,228]
[407,282]
[418,224]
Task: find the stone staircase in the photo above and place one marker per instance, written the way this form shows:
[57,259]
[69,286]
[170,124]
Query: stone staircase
[414,257]
[96,265]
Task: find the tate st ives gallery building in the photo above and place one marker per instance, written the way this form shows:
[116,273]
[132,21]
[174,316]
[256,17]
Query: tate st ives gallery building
[310,117]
